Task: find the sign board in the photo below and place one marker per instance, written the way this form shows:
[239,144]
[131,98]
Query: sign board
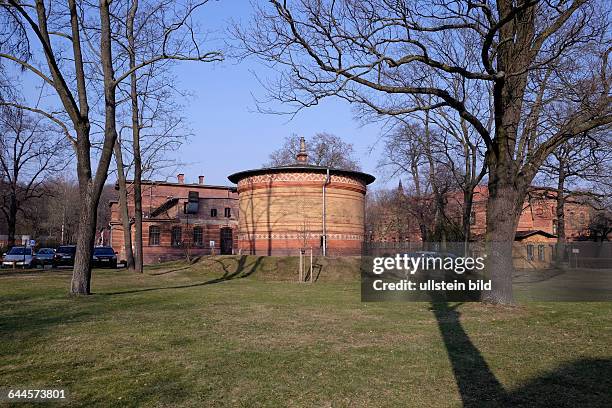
[212,244]
[32,243]
[575,251]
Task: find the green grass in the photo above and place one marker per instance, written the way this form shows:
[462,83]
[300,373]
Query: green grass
[227,332]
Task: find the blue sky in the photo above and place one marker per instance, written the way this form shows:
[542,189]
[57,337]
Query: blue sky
[229,135]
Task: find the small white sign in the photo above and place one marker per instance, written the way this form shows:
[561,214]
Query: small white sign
[575,251]
[32,243]
[212,244]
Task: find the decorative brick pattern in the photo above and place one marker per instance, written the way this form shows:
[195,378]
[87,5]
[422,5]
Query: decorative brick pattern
[297,177]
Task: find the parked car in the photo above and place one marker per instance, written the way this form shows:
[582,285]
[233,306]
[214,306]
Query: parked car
[64,256]
[104,257]
[44,256]
[18,256]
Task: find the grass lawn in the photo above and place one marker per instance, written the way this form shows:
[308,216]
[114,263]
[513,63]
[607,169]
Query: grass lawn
[224,333]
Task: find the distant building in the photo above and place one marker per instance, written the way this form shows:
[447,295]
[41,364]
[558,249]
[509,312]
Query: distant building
[181,219]
[539,214]
[19,240]
[538,219]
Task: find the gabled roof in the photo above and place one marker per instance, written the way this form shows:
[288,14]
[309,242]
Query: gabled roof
[520,235]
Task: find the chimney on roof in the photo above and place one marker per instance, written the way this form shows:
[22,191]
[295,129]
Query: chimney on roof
[180,178]
[302,156]
[201,179]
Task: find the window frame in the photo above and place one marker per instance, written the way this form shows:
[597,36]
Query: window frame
[173,241]
[200,231]
[530,254]
[213,213]
[228,212]
[157,233]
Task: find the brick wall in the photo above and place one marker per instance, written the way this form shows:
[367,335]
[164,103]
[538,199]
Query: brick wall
[281,213]
[539,213]
[154,195]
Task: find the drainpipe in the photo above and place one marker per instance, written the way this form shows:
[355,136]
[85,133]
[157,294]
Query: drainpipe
[327,179]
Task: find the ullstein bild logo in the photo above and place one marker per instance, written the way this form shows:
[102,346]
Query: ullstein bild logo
[415,277]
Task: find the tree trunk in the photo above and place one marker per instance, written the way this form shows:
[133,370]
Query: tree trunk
[91,189]
[466,220]
[139,259]
[123,205]
[135,140]
[560,213]
[81,275]
[503,210]
[12,219]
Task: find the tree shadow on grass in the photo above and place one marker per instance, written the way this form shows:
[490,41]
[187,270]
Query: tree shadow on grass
[28,273]
[581,383]
[240,271]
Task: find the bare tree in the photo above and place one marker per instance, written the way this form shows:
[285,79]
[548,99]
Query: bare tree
[412,149]
[153,120]
[126,220]
[573,168]
[68,69]
[29,152]
[324,149]
[380,53]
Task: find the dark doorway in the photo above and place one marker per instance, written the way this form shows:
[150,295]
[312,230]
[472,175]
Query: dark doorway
[226,241]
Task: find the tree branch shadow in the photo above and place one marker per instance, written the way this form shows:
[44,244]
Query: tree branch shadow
[240,271]
[584,382]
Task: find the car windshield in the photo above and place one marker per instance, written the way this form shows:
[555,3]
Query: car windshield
[45,251]
[67,249]
[20,251]
[104,251]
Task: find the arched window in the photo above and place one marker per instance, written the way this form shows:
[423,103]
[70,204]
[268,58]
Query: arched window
[154,235]
[176,237]
[197,236]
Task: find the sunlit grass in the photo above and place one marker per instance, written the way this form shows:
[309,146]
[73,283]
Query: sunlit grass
[181,336]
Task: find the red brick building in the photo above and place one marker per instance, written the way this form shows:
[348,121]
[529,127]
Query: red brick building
[392,224]
[539,213]
[181,219]
[286,209]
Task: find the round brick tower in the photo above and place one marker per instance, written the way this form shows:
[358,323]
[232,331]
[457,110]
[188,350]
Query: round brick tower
[301,206]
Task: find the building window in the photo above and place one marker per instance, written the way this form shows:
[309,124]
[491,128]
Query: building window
[541,255]
[154,235]
[213,212]
[530,252]
[582,219]
[197,236]
[554,227]
[473,218]
[177,236]
[228,212]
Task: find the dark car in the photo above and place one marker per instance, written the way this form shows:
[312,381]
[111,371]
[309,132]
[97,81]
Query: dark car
[104,257]
[44,256]
[64,255]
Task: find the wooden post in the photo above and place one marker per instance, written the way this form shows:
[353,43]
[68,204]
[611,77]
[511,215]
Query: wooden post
[300,268]
[311,277]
